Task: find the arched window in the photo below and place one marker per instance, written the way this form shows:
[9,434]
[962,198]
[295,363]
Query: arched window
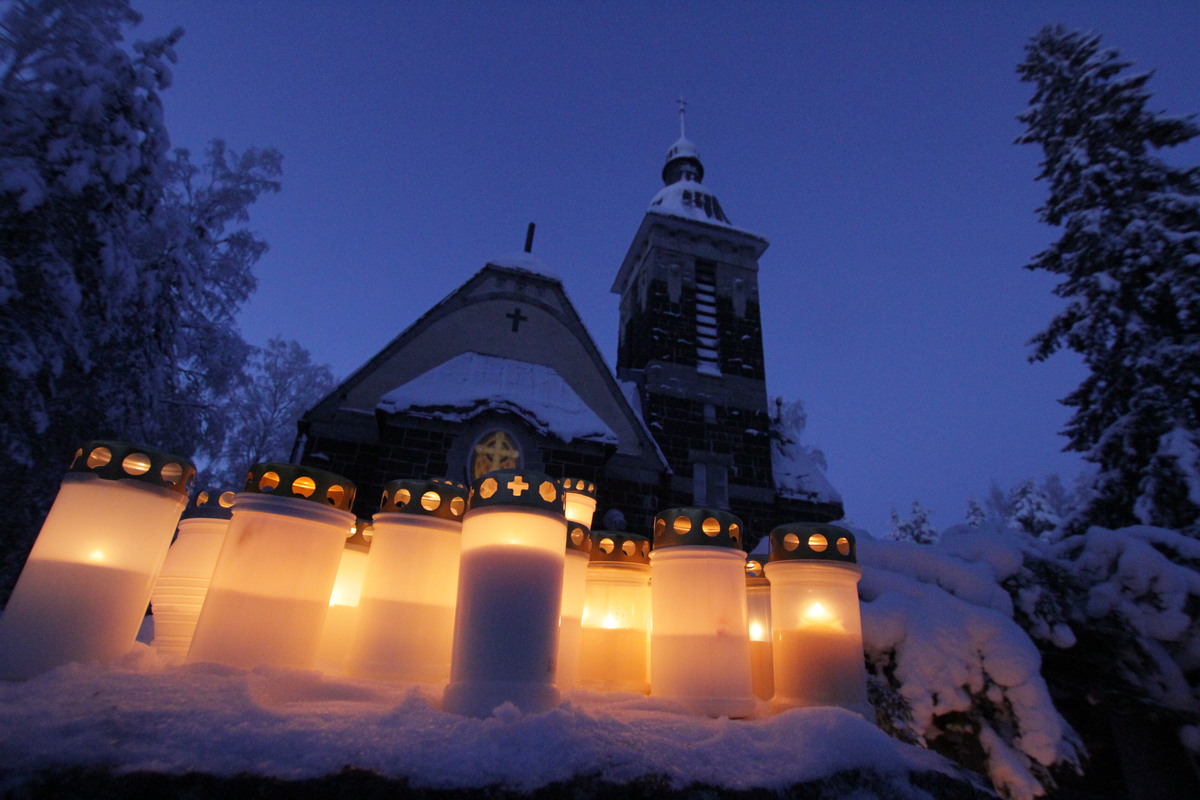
[494,450]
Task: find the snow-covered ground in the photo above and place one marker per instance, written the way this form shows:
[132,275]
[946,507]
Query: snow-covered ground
[141,715]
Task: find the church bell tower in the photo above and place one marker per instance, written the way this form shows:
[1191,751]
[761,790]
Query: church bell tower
[691,341]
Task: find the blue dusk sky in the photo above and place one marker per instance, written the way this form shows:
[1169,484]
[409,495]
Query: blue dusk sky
[870,142]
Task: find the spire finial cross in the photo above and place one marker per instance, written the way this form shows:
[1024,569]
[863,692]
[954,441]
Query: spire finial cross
[682,114]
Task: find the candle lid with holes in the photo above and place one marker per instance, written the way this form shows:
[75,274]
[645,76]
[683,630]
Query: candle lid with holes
[429,498]
[813,541]
[300,483]
[618,547]
[120,461]
[209,504]
[579,538]
[579,486]
[756,575]
[709,527]
[516,487]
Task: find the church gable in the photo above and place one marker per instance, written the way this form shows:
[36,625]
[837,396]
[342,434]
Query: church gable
[501,370]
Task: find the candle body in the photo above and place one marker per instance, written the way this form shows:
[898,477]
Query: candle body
[342,616]
[85,588]
[183,584]
[406,613]
[270,589]
[762,670]
[614,649]
[699,644]
[575,567]
[506,619]
[817,635]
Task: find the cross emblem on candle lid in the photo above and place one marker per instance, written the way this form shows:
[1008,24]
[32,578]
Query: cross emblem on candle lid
[516,487]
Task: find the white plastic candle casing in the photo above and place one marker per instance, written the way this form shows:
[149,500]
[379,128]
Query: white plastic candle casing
[85,587]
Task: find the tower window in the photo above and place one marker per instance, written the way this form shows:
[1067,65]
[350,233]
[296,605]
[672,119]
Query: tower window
[710,484]
[706,318]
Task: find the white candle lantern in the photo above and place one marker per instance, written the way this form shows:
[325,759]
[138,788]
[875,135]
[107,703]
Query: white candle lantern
[699,643]
[815,617]
[579,500]
[83,592]
[406,615]
[342,616]
[187,571]
[758,607]
[270,589]
[614,649]
[579,505]
[509,595]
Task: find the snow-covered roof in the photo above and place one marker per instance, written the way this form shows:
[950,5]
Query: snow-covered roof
[690,200]
[798,475]
[527,262]
[472,383]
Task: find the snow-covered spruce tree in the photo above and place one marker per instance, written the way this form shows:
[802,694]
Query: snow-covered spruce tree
[951,667]
[116,268]
[1129,258]
[280,384]
[81,155]
[917,528]
[975,513]
[1031,510]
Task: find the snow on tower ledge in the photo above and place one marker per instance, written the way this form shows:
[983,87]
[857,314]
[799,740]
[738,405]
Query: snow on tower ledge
[472,383]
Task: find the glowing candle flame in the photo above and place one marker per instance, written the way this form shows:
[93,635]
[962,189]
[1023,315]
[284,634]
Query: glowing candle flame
[757,634]
[96,555]
[610,622]
[817,613]
[817,616]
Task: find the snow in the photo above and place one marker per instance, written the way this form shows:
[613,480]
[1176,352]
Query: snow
[798,475]
[526,262]
[690,200]
[472,383]
[139,714]
[939,630]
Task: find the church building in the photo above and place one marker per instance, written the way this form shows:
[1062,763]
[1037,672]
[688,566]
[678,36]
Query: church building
[502,373]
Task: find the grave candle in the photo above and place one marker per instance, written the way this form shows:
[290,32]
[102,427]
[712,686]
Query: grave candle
[270,589]
[509,595]
[342,616]
[758,607]
[579,506]
[818,650]
[83,591]
[575,567]
[614,649]
[187,571]
[579,500]
[699,642]
[406,614]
